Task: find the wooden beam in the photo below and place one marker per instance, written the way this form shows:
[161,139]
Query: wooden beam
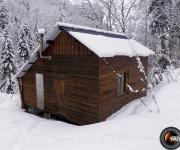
[50,42]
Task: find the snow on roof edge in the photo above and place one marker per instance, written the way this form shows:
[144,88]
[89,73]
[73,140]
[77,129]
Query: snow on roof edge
[67,25]
[33,57]
[27,64]
[149,51]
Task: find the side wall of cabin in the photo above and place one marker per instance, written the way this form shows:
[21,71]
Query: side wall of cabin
[110,102]
[78,68]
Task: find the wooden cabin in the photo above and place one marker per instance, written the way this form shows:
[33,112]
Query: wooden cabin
[82,74]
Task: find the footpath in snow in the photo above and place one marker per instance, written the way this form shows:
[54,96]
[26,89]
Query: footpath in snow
[131,128]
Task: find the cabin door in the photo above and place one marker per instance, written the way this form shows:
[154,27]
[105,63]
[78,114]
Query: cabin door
[59,89]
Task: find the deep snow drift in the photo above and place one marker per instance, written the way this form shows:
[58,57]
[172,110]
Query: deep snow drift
[133,127]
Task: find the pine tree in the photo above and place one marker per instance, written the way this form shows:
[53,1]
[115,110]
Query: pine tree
[159,24]
[3,15]
[8,67]
[163,26]
[24,43]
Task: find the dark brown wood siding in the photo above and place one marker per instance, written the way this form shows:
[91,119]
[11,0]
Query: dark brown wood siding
[88,83]
[79,68]
[29,83]
[109,100]
[81,94]
[66,45]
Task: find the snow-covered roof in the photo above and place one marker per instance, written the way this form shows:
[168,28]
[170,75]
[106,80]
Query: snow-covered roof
[103,43]
[28,63]
[88,29]
[105,46]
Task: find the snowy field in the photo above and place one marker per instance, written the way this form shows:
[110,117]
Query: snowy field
[132,128]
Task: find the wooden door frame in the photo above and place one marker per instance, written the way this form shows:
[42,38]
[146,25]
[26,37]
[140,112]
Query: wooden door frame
[64,78]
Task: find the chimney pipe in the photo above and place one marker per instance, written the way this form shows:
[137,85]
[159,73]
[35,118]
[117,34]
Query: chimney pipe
[41,43]
[41,33]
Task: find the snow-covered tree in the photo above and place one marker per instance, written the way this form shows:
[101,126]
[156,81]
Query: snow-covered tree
[85,13]
[154,23]
[118,13]
[164,29]
[3,15]
[160,23]
[93,13]
[24,43]
[7,64]
[164,26]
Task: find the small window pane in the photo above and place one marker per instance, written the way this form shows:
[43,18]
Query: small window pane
[118,86]
[125,80]
[121,84]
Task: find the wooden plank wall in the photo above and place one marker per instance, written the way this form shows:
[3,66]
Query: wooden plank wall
[29,84]
[79,67]
[91,86]
[109,101]
[81,95]
[66,45]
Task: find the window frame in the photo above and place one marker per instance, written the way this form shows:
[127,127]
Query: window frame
[121,82]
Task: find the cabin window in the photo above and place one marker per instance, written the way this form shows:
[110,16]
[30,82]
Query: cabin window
[121,84]
[40,90]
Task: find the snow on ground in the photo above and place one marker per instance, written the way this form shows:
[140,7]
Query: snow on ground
[131,128]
